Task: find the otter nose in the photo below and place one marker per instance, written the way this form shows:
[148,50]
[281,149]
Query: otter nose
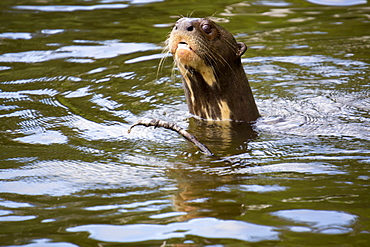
[190,28]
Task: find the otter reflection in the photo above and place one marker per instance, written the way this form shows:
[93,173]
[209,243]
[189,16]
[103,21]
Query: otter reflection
[199,183]
[223,137]
[203,190]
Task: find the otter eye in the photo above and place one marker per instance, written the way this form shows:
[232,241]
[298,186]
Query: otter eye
[207,28]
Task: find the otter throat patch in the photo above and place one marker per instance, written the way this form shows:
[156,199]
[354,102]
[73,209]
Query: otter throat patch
[198,64]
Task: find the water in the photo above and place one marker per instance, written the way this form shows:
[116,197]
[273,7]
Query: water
[74,75]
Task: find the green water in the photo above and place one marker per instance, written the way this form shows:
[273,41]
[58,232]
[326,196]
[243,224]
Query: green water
[74,75]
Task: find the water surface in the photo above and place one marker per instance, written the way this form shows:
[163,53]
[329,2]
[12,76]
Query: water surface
[74,75]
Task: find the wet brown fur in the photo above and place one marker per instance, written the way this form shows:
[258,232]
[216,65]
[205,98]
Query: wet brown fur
[214,80]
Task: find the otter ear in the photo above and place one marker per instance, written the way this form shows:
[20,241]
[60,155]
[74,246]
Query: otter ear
[241,49]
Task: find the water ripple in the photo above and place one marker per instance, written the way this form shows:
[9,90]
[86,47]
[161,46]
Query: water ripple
[70,8]
[318,221]
[15,35]
[305,168]
[338,2]
[334,114]
[45,242]
[55,177]
[46,138]
[203,227]
[106,49]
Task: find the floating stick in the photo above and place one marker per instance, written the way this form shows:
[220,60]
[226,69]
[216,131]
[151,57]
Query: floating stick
[174,127]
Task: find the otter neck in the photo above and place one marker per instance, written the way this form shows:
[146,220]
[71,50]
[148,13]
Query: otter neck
[219,94]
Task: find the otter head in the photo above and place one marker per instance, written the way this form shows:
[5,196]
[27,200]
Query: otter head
[194,41]
[208,58]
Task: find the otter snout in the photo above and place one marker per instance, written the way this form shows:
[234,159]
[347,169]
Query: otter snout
[186,24]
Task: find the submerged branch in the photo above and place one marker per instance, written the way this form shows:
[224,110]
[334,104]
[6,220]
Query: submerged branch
[172,126]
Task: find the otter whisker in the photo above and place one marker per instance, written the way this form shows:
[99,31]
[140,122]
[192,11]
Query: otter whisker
[162,61]
[217,57]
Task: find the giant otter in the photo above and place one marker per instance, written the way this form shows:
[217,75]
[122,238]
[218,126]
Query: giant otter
[214,80]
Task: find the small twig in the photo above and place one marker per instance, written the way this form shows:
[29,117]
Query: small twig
[172,126]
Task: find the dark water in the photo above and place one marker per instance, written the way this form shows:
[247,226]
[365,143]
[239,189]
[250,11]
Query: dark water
[74,75]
